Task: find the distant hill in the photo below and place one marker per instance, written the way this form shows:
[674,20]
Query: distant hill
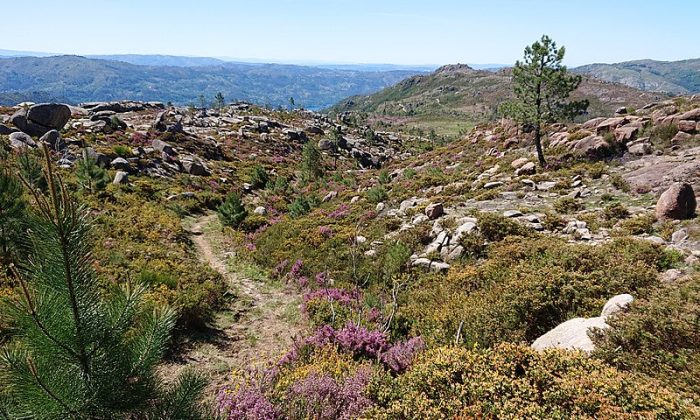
[75,79]
[458,96]
[160,60]
[677,77]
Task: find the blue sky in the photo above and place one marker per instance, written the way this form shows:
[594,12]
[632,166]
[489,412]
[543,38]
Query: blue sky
[356,31]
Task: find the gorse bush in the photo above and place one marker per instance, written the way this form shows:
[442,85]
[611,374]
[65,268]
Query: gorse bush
[231,212]
[526,288]
[512,381]
[659,336]
[78,352]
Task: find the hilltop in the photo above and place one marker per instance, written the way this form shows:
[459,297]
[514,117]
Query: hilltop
[76,79]
[456,97]
[677,77]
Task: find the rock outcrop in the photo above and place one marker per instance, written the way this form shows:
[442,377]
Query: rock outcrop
[678,202]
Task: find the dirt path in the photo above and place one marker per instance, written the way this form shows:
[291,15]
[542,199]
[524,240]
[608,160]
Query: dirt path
[255,328]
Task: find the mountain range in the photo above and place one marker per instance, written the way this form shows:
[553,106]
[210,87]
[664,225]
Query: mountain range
[677,77]
[75,79]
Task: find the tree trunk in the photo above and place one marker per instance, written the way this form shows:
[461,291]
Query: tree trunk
[538,146]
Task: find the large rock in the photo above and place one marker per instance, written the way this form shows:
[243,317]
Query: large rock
[677,202]
[41,118]
[691,115]
[193,166]
[574,333]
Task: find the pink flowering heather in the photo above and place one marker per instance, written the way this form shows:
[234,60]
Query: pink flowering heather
[279,269]
[325,231]
[342,296]
[400,356]
[322,397]
[321,278]
[340,212]
[359,341]
[245,403]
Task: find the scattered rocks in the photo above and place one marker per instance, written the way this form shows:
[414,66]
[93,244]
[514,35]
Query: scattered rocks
[677,202]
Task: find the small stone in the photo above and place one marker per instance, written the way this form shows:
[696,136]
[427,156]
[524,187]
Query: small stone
[493,184]
[512,213]
[434,211]
[260,211]
[121,177]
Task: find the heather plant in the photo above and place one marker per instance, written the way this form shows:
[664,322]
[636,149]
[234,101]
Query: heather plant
[77,351]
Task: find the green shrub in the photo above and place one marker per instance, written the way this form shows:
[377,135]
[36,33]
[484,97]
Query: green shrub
[409,173]
[495,227]
[616,211]
[259,177]
[568,205]
[377,194]
[526,287]
[299,207]
[384,177]
[231,211]
[658,336]
[619,182]
[512,381]
[396,259]
[122,151]
[663,134]
[638,225]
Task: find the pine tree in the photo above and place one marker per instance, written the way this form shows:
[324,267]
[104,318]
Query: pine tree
[231,211]
[91,176]
[542,86]
[219,101]
[80,352]
[30,170]
[311,166]
[11,212]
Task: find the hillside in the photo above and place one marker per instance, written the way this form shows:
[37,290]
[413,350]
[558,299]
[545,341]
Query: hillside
[75,79]
[395,275]
[455,97]
[677,77]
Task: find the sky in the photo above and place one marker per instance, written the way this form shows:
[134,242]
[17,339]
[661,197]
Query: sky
[356,31]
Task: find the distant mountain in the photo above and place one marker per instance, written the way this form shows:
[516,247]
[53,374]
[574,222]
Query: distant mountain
[160,60]
[457,96]
[677,77]
[76,79]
